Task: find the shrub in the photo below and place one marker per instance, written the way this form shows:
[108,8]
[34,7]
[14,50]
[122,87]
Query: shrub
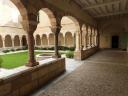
[12,49]
[6,51]
[72,48]
[51,48]
[1,60]
[25,48]
[18,49]
[69,54]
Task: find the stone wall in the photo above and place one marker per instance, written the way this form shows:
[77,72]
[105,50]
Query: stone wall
[23,83]
[83,54]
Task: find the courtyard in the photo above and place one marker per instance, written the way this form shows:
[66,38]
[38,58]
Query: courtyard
[63,48]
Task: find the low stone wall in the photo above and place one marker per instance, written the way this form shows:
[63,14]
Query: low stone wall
[83,54]
[25,82]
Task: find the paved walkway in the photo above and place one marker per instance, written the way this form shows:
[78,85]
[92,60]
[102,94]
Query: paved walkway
[103,74]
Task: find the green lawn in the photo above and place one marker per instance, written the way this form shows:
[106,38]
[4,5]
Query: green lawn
[15,60]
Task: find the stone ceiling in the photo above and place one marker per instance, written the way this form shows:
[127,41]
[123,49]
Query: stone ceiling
[104,8]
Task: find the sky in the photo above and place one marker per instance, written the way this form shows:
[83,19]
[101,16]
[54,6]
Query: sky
[8,12]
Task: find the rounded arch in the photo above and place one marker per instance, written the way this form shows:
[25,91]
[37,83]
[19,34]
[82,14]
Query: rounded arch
[44,40]
[8,41]
[51,39]
[69,39]
[24,40]
[61,39]
[38,40]
[49,16]
[1,42]
[23,12]
[72,21]
[16,41]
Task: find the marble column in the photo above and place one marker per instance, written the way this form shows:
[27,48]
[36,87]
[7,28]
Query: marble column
[3,39]
[32,62]
[13,45]
[57,55]
[77,41]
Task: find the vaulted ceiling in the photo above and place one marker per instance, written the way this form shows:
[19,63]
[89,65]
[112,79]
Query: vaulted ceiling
[103,8]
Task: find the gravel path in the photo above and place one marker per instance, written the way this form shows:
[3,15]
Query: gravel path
[104,74]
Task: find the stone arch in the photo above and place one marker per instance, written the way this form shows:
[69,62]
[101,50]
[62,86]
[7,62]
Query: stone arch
[69,39]
[75,29]
[38,40]
[61,39]
[16,41]
[8,41]
[24,40]
[44,40]
[23,12]
[50,15]
[51,39]
[1,42]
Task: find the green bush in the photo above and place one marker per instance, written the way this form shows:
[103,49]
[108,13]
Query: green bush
[51,48]
[6,51]
[12,50]
[25,48]
[18,49]
[1,60]
[69,54]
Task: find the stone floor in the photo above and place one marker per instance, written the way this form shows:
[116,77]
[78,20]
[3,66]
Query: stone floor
[103,74]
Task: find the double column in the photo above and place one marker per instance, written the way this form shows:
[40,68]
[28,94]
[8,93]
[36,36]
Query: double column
[56,31]
[30,31]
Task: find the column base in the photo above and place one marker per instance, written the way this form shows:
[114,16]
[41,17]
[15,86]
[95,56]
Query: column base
[32,64]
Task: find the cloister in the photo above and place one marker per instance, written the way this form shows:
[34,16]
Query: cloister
[95,29]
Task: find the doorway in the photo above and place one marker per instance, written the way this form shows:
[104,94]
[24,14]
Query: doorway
[115,41]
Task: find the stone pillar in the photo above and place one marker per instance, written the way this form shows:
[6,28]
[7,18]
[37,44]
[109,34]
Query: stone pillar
[13,45]
[64,41]
[41,41]
[56,33]
[32,62]
[77,41]
[81,37]
[48,41]
[35,41]
[21,42]
[3,39]
[85,42]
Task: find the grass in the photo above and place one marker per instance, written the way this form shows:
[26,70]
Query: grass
[15,60]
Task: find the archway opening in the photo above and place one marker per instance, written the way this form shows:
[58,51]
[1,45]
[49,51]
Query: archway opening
[44,41]
[38,40]
[8,41]
[16,41]
[24,41]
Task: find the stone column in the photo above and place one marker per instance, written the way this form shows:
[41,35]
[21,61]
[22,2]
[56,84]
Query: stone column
[21,42]
[48,41]
[81,37]
[35,41]
[32,62]
[77,41]
[13,45]
[85,42]
[41,41]
[56,33]
[3,39]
